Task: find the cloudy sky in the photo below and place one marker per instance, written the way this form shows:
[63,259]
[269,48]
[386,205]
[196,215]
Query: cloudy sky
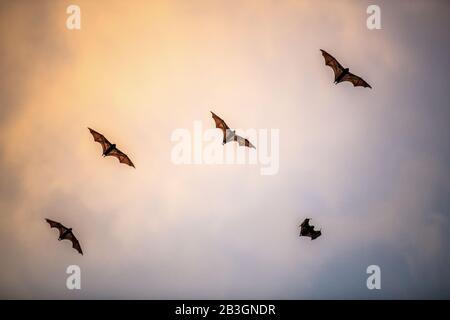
[370,167]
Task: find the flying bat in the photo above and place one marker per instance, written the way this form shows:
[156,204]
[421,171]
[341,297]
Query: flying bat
[307,230]
[110,149]
[65,234]
[343,74]
[230,135]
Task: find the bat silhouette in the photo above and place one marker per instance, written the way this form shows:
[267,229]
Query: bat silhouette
[65,234]
[343,74]
[230,135]
[110,149]
[307,230]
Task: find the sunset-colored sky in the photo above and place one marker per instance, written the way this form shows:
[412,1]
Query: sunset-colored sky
[370,167]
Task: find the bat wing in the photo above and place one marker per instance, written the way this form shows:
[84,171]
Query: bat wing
[100,139]
[123,158]
[243,142]
[75,243]
[306,232]
[57,225]
[333,63]
[305,223]
[315,234]
[357,81]
[220,124]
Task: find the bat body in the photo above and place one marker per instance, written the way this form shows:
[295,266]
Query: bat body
[230,135]
[110,149]
[342,74]
[65,234]
[306,230]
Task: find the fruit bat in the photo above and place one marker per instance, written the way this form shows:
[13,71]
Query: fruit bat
[65,234]
[343,74]
[308,231]
[110,149]
[228,134]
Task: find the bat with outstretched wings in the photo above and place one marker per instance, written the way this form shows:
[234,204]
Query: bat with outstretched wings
[343,74]
[65,234]
[110,149]
[230,135]
[306,230]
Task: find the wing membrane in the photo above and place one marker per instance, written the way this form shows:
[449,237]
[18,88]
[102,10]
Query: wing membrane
[123,158]
[356,80]
[100,139]
[75,244]
[243,142]
[333,63]
[57,225]
[220,124]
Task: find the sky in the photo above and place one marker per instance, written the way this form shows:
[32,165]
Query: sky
[370,167]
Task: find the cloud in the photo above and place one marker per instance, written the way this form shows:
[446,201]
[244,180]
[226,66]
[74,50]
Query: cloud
[370,167]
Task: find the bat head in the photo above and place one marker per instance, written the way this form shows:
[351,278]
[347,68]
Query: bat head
[346,69]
